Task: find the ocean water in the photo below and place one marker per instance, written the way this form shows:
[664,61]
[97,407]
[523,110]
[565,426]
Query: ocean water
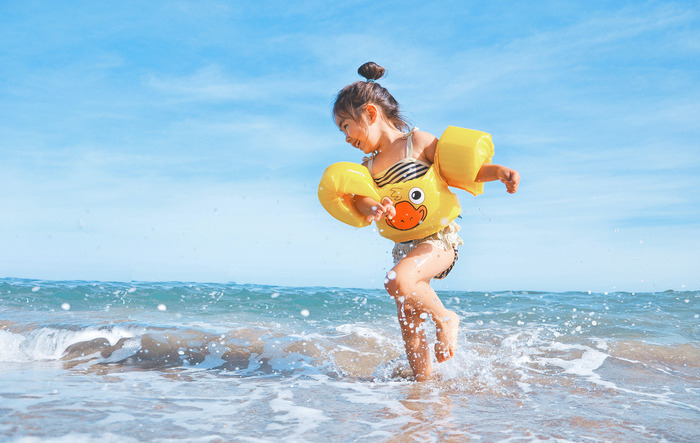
[93,361]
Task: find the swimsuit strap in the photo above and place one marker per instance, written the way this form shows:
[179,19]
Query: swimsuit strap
[409,142]
[370,160]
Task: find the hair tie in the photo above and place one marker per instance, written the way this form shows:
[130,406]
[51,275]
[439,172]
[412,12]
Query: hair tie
[371,80]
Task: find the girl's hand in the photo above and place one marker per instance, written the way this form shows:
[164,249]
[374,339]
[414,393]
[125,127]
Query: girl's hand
[374,210]
[383,209]
[510,178]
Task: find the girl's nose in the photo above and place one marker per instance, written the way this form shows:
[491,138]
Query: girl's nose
[347,139]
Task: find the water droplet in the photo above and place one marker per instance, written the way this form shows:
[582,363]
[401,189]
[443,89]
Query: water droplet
[391,275]
[274,295]
[65,307]
[162,307]
[305,312]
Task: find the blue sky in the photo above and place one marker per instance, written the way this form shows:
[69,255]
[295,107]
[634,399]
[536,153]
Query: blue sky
[176,140]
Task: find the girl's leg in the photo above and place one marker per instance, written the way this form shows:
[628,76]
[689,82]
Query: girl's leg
[413,332]
[414,296]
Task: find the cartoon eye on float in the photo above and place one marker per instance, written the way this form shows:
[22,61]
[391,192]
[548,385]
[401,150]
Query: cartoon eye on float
[416,196]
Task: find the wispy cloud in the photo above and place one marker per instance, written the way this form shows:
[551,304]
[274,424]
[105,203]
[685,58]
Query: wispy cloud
[212,84]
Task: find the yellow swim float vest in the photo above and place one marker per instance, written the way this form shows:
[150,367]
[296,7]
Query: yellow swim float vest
[424,205]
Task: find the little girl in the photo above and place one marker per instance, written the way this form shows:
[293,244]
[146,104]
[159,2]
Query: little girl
[369,117]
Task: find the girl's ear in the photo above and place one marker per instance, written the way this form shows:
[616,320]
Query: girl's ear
[372,113]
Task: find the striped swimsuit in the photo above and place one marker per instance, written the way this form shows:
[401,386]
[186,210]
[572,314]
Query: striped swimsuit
[409,168]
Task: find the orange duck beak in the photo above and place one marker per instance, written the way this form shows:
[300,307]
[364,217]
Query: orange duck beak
[407,217]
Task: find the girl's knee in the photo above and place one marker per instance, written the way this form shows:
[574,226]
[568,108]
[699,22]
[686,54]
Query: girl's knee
[399,284]
[404,287]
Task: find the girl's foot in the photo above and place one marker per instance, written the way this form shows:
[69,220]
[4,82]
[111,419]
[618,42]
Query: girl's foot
[447,329]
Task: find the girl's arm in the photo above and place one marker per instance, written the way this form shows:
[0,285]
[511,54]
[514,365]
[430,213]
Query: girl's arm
[509,177]
[371,208]
[487,173]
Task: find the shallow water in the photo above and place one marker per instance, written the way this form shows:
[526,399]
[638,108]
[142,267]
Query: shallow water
[87,361]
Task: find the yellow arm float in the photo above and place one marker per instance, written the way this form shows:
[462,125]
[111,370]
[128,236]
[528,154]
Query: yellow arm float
[339,184]
[459,156]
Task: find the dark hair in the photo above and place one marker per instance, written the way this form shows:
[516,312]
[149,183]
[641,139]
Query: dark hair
[352,99]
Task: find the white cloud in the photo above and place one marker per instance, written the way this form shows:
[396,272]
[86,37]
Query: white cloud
[206,84]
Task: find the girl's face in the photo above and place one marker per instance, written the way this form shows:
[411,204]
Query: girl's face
[357,133]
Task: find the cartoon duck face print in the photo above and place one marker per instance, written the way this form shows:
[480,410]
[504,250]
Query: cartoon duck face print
[408,213]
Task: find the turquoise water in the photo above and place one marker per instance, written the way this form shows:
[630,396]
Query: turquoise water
[94,361]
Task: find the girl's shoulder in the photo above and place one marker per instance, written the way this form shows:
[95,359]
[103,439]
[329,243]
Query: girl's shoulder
[424,144]
[423,138]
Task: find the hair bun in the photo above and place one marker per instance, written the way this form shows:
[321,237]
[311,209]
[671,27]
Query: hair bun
[371,71]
